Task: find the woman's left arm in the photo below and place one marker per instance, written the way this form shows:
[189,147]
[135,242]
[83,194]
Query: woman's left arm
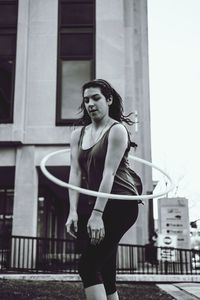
[117,145]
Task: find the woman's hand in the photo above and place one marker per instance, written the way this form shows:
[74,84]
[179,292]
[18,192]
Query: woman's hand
[95,228]
[72,224]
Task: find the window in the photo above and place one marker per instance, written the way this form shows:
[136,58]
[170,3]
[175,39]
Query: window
[52,204]
[47,218]
[76,51]
[6,213]
[8,33]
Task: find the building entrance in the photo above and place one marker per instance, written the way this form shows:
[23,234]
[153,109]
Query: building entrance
[6,211]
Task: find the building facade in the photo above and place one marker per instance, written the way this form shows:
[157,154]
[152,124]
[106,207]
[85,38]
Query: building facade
[48,49]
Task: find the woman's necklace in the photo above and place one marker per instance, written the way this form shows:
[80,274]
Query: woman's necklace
[95,139]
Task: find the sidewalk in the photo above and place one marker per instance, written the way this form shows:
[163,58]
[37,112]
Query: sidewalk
[182,291]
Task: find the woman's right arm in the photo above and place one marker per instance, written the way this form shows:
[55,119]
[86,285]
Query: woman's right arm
[74,179]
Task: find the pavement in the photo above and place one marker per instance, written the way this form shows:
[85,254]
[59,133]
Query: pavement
[180,287]
[182,290]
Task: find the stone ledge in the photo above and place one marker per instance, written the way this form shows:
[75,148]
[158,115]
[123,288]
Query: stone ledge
[120,277]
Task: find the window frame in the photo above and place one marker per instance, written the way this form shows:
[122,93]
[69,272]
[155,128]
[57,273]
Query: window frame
[59,120]
[10,29]
[74,29]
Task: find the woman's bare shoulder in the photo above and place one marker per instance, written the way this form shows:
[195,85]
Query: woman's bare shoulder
[75,135]
[118,130]
[118,135]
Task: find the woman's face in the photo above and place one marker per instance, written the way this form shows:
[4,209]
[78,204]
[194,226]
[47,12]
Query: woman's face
[95,103]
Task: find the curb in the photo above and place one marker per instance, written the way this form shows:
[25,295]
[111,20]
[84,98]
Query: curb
[120,277]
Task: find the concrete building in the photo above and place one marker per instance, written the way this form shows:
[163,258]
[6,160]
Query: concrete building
[48,48]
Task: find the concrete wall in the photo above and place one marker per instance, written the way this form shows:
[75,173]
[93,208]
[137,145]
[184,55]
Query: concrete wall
[137,97]
[110,45]
[26,191]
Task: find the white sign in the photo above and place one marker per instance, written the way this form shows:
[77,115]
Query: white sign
[174,220]
[168,242]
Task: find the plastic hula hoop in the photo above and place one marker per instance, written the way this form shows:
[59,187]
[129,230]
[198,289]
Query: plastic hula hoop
[100,194]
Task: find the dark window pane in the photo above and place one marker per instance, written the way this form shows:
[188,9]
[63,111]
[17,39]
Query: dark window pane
[9,203]
[77,44]
[6,75]
[5,216]
[73,14]
[2,202]
[74,1]
[7,44]
[74,75]
[8,14]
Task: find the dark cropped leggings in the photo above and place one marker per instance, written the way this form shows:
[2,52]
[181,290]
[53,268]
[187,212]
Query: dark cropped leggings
[98,262]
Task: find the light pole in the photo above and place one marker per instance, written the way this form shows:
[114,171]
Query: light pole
[193,224]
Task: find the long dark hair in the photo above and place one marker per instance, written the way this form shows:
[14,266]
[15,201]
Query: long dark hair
[116,108]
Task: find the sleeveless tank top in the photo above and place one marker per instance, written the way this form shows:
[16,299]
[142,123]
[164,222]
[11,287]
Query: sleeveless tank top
[92,162]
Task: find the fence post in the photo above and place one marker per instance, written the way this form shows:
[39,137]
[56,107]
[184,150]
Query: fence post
[166,266]
[23,253]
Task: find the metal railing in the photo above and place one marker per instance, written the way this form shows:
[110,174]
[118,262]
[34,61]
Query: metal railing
[46,255]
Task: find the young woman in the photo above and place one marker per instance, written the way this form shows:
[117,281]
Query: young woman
[99,152]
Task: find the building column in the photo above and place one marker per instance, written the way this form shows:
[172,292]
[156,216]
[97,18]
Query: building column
[110,50]
[23,250]
[137,100]
[26,192]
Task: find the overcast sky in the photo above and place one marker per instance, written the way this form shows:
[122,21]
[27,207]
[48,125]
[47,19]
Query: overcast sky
[174,63]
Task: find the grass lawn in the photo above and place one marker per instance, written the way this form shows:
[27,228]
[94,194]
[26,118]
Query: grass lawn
[57,290]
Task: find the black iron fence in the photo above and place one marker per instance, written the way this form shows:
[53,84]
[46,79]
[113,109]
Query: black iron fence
[45,255]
